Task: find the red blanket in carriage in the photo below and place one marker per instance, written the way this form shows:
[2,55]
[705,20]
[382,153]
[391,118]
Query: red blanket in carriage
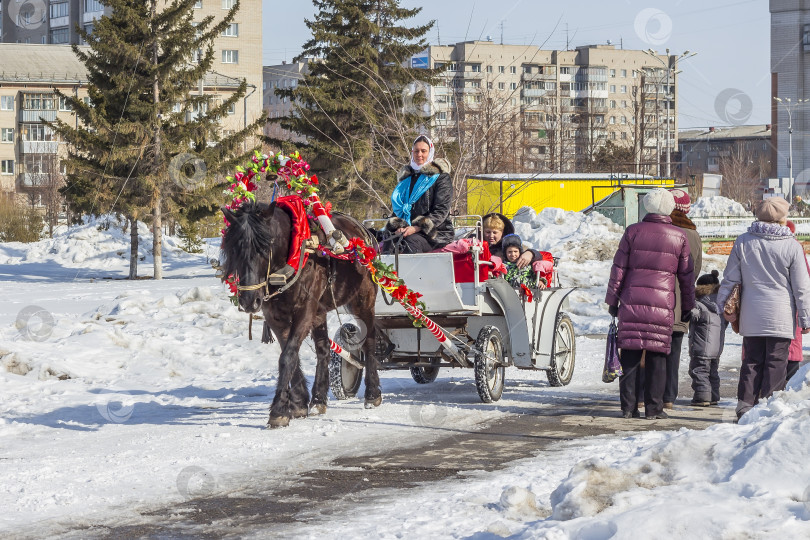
[464,268]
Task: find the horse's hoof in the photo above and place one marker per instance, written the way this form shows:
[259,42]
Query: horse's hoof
[317,409]
[300,413]
[278,421]
[372,403]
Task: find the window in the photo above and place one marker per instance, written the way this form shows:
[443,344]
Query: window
[624,120]
[513,86]
[198,4]
[232,30]
[624,89]
[39,102]
[228,4]
[230,56]
[87,101]
[489,69]
[565,71]
[7,135]
[624,104]
[441,115]
[501,86]
[806,38]
[612,88]
[7,166]
[612,120]
[612,73]
[512,69]
[93,5]
[473,84]
[63,104]
[513,102]
[475,68]
[60,35]
[501,69]
[452,66]
[612,103]
[61,9]
[624,136]
[624,73]
[196,55]
[635,74]
[232,109]
[613,135]
[527,69]
[36,132]
[6,103]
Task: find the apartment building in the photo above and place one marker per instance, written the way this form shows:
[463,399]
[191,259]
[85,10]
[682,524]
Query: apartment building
[707,150]
[560,107]
[43,22]
[30,153]
[238,49]
[284,75]
[790,80]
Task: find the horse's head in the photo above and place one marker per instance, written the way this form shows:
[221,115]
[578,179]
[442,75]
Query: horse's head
[254,245]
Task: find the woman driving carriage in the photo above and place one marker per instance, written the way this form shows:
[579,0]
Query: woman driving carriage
[421,203]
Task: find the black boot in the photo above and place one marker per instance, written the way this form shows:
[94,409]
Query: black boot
[280,276]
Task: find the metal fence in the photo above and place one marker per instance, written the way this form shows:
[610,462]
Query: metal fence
[731,227]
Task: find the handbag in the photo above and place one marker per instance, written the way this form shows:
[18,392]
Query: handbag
[731,311]
[613,368]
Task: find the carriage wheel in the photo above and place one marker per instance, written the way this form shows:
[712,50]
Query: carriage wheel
[344,378]
[563,352]
[425,375]
[489,366]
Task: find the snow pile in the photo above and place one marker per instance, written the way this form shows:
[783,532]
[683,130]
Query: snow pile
[700,483]
[717,206]
[97,244]
[585,244]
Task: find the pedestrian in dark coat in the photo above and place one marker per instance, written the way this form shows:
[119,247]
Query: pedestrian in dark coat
[707,336]
[421,202]
[683,203]
[795,353]
[652,255]
[771,269]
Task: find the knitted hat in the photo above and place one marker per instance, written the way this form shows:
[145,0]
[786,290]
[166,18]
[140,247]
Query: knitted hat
[709,279]
[511,240]
[682,200]
[494,222]
[772,209]
[792,226]
[659,201]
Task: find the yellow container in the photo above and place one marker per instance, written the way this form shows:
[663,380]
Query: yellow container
[508,193]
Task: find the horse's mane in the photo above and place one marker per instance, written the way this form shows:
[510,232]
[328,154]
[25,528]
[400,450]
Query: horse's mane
[248,235]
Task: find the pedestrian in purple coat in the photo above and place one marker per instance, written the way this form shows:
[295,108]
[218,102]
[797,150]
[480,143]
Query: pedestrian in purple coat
[652,255]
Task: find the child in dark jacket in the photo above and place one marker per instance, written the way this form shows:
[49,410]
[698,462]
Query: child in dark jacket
[707,330]
[512,248]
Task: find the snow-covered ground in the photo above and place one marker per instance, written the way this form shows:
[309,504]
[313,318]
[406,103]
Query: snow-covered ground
[117,396]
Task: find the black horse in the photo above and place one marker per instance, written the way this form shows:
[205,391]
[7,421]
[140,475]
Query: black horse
[257,243]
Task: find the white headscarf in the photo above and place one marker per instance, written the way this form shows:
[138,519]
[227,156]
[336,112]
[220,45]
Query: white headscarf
[422,138]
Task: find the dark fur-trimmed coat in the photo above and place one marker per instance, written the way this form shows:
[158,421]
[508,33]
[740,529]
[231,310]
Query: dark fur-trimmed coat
[431,212]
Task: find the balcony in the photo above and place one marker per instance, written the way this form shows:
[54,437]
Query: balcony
[37,115]
[539,76]
[32,180]
[526,92]
[39,147]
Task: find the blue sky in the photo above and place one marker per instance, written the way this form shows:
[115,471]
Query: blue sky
[727,81]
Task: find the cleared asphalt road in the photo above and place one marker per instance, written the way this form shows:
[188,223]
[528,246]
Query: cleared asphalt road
[347,482]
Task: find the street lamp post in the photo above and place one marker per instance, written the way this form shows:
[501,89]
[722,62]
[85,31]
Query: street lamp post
[789,106]
[670,65]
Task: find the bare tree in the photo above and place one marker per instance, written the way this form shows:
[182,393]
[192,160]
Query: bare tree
[741,175]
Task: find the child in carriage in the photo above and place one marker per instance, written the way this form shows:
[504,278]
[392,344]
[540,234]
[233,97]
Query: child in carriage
[538,274]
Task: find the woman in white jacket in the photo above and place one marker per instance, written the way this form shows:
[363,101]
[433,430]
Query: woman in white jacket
[770,267]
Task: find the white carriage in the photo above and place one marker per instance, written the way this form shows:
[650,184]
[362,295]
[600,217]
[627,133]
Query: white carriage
[491,326]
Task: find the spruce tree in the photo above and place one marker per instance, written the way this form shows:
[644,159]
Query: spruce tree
[356,106]
[145,126]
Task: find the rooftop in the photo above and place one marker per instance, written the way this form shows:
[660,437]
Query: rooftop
[40,63]
[756,131]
